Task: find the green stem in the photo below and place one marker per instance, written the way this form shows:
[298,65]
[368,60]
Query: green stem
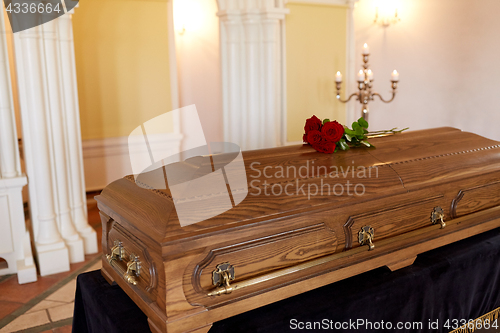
[393,130]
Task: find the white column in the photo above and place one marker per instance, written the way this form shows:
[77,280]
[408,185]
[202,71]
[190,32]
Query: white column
[57,135]
[9,150]
[272,78]
[15,245]
[233,83]
[252,71]
[52,252]
[253,60]
[74,166]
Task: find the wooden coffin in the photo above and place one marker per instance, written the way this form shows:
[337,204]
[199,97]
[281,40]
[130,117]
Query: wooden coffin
[426,189]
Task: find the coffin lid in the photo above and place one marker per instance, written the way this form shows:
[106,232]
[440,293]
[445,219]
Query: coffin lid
[399,164]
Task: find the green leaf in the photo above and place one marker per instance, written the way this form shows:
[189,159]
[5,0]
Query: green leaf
[349,131]
[343,145]
[359,132]
[363,123]
[348,137]
[326,121]
[365,131]
[355,126]
[366,143]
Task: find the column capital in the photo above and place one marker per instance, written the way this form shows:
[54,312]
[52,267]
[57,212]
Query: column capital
[268,8]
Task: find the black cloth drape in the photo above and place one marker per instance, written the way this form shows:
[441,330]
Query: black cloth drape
[460,281]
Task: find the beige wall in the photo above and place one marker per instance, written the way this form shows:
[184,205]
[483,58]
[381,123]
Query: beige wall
[122,63]
[311,64]
[315,51]
[447,54]
[445,51]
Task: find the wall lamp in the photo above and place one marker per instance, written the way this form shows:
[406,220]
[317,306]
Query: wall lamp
[386,12]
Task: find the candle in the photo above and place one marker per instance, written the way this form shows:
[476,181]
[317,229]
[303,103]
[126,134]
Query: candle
[366,49]
[361,76]
[338,77]
[370,75]
[395,76]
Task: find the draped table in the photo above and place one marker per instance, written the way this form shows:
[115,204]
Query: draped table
[441,290]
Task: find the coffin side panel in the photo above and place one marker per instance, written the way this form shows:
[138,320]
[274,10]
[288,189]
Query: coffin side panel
[147,280]
[476,198]
[268,253]
[392,221]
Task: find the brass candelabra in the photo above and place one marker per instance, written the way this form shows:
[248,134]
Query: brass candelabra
[365,84]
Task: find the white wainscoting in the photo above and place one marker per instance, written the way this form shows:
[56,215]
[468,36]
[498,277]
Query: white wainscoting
[106,160]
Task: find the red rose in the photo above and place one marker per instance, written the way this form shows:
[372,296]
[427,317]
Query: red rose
[304,138]
[314,137]
[332,131]
[325,146]
[312,124]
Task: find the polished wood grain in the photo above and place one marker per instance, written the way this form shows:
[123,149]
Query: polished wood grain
[476,198]
[402,263]
[390,222]
[266,254]
[289,244]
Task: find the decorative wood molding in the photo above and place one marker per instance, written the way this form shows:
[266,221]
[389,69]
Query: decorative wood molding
[401,263]
[490,200]
[348,230]
[107,224]
[454,204]
[445,155]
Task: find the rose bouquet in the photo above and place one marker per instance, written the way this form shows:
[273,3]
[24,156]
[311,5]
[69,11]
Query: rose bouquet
[329,136]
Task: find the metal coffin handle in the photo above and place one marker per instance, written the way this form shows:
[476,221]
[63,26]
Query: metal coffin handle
[437,216]
[365,237]
[133,265]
